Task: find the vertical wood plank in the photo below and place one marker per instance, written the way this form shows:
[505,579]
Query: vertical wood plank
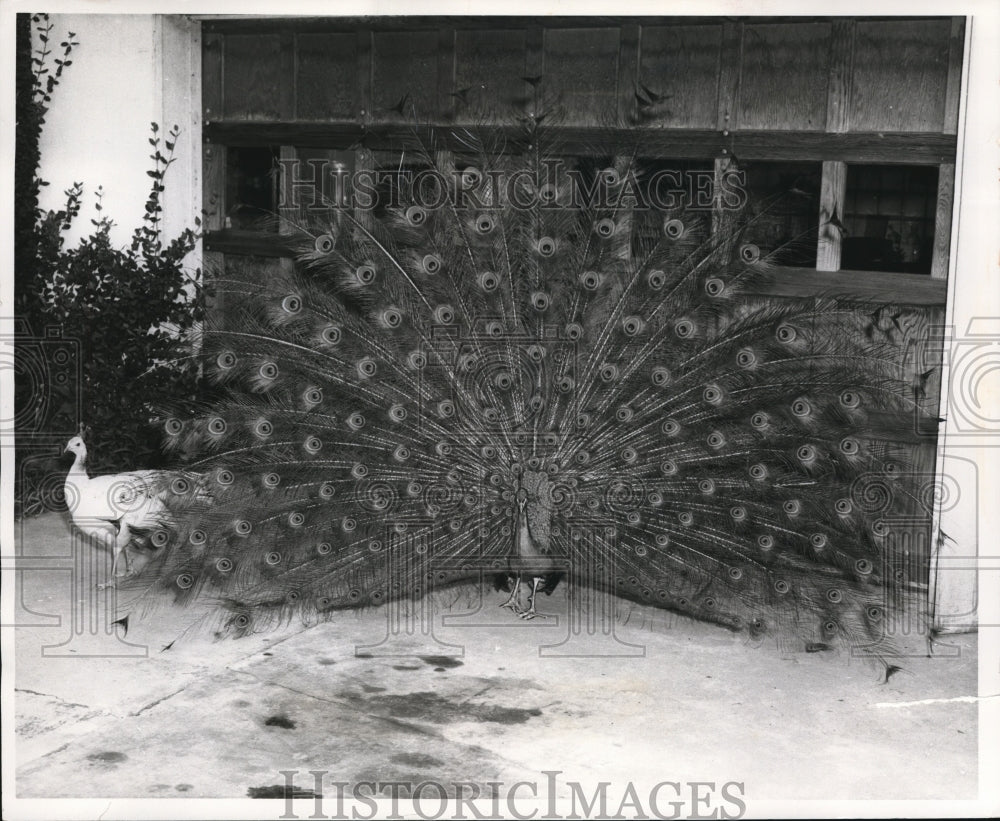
[831,207]
[214,215]
[784,71]
[942,221]
[286,81]
[729,75]
[212,62]
[214,187]
[534,65]
[721,218]
[287,154]
[838,99]
[953,87]
[366,72]
[628,71]
[446,74]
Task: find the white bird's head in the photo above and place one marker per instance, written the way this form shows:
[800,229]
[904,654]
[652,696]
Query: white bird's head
[77,446]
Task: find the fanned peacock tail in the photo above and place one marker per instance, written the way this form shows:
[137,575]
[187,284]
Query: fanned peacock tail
[503,339]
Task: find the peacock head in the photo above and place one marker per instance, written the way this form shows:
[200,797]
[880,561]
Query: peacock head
[77,445]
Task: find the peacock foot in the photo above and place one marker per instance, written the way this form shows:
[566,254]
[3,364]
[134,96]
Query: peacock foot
[531,613]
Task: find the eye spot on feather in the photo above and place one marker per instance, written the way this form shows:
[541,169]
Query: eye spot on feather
[323,244]
[673,229]
[173,427]
[291,304]
[430,264]
[749,253]
[546,247]
[684,329]
[331,334]
[488,281]
[633,326]
[605,228]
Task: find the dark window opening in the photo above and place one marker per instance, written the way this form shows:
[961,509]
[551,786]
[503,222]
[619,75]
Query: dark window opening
[889,213]
[251,184]
[783,210]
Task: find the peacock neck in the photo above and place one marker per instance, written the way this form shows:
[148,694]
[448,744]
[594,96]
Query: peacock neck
[79,467]
[524,544]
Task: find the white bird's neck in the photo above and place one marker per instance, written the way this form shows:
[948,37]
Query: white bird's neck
[79,467]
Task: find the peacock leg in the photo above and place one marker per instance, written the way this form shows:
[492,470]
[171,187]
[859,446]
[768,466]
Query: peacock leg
[111,578]
[531,613]
[513,602]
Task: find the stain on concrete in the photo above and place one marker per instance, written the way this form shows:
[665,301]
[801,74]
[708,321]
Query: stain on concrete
[281,791]
[447,662]
[416,760]
[184,787]
[325,661]
[107,757]
[427,706]
[241,703]
[371,688]
[405,667]
[280,721]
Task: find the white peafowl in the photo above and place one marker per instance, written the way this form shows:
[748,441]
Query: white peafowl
[119,509]
[491,359]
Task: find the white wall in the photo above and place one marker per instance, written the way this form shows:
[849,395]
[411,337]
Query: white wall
[128,71]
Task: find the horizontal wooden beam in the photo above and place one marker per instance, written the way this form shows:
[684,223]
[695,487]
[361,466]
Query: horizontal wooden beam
[246,243]
[269,24]
[856,286]
[681,144]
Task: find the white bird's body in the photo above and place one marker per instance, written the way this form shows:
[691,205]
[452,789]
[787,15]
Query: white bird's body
[113,509]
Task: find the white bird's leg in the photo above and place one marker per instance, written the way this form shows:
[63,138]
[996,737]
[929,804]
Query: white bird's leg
[121,548]
[513,602]
[531,613]
[121,541]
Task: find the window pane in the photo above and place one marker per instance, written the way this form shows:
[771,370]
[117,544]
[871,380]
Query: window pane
[783,211]
[250,185]
[889,218]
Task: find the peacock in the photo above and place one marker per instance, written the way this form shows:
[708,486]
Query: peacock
[119,510]
[499,366]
